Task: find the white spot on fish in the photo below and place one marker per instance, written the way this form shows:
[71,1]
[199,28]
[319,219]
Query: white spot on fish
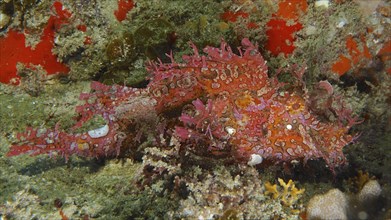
[255,159]
[99,132]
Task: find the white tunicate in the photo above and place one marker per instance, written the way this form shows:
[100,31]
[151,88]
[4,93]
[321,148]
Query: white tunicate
[342,22]
[370,191]
[322,3]
[255,159]
[99,132]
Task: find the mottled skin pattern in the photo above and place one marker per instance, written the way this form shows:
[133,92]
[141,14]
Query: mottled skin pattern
[247,110]
[228,106]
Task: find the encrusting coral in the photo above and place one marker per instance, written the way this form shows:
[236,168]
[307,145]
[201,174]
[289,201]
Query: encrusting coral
[236,111]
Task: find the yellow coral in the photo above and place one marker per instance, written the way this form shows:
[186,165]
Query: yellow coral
[362,178]
[271,189]
[358,182]
[288,195]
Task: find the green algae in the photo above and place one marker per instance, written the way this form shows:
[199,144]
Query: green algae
[54,105]
[120,51]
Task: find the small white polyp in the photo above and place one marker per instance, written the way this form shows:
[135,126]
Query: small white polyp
[255,159]
[99,132]
[230,130]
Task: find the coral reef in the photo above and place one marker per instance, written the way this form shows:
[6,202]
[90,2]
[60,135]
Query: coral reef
[222,194]
[164,131]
